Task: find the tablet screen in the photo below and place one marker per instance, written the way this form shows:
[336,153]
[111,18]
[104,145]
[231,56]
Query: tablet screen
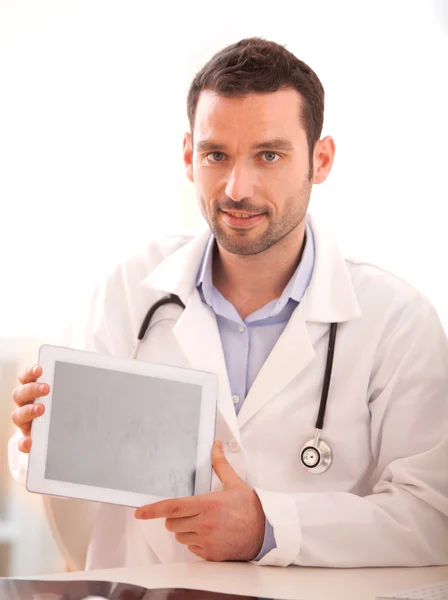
[123,431]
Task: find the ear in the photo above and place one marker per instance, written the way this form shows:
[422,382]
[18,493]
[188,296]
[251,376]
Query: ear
[323,157]
[188,156]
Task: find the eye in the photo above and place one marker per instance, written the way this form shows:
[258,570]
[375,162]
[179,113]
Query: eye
[216,156]
[271,156]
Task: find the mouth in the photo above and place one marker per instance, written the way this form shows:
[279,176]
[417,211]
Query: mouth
[239,219]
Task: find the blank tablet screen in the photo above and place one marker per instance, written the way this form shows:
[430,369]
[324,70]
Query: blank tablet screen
[123,431]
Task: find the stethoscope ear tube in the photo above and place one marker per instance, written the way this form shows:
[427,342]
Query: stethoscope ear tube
[169,299]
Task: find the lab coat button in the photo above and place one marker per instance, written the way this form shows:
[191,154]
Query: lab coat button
[233,445]
[235,399]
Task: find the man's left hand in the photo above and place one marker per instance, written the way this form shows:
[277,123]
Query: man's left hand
[224,525]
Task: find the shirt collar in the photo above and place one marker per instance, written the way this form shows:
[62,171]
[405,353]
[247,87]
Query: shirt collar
[294,290]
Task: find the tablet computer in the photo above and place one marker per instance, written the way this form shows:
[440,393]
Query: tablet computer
[121,431]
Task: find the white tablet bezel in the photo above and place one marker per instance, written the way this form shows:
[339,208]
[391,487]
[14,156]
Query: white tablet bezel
[36,481]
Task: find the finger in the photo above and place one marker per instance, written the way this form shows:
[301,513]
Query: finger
[198,550]
[174,509]
[23,416]
[29,374]
[188,539]
[26,429]
[184,525]
[27,393]
[223,469]
[24,444]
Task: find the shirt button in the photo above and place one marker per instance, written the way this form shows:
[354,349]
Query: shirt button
[233,445]
[235,399]
[242,328]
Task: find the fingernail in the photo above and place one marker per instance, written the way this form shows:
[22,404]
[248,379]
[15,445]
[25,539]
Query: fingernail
[36,410]
[218,444]
[42,387]
[35,370]
[138,514]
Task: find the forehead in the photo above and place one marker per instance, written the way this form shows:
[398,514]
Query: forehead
[257,115]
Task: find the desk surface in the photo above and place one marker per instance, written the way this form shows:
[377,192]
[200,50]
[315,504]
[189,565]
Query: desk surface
[292,583]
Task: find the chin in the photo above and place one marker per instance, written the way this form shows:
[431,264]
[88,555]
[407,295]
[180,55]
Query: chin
[241,244]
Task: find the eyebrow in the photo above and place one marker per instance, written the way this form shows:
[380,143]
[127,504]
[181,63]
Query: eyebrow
[272,144]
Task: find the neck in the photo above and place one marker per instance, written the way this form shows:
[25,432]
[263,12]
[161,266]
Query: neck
[250,282]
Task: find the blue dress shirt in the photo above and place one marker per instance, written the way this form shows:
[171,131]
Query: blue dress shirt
[247,343]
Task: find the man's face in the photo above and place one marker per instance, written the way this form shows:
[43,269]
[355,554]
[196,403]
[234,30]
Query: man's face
[250,165]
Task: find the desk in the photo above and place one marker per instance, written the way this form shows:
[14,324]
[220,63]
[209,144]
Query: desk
[291,583]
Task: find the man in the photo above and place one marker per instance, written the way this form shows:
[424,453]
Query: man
[261,291]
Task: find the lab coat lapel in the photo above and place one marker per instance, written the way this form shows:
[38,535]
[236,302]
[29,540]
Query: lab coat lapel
[198,336]
[291,354]
[177,273]
[330,297]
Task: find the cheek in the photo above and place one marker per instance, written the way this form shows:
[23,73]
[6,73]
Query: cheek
[208,181]
[273,186]
[292,182]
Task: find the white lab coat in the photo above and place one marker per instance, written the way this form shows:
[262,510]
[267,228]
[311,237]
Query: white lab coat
[384,501]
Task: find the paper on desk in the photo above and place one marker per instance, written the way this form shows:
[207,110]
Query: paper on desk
[434,591]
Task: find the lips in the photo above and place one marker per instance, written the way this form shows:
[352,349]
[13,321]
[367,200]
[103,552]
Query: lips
[241,219]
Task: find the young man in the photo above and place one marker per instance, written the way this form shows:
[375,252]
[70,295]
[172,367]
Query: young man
[262,286]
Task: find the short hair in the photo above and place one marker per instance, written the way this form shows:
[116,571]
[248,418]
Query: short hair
[256,65]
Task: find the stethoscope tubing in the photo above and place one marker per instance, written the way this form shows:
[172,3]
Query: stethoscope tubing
[327,377]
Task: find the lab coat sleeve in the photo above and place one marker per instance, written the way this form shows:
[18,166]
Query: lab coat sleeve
[404,520]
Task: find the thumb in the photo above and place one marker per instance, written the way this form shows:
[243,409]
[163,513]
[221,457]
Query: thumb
[223,469]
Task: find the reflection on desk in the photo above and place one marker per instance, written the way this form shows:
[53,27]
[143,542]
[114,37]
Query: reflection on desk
[28,589]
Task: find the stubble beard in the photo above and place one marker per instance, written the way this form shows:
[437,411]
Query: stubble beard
[244,243]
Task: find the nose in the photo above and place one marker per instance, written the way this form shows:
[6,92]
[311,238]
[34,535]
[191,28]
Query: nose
[239,183]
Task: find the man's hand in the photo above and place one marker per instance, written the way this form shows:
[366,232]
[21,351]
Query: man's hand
[224,525]
[27,410]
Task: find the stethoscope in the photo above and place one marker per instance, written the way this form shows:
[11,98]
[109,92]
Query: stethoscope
[316,455]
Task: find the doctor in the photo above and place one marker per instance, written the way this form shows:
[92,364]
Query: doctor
[261,287]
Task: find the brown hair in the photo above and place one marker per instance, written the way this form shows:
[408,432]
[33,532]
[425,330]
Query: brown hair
[255,65]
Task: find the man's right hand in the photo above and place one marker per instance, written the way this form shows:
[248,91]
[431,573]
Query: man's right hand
[24,396]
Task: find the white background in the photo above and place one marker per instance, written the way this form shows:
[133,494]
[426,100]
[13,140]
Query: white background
[92,115]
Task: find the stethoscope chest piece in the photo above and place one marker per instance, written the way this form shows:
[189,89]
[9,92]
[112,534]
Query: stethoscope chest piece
[316,456]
